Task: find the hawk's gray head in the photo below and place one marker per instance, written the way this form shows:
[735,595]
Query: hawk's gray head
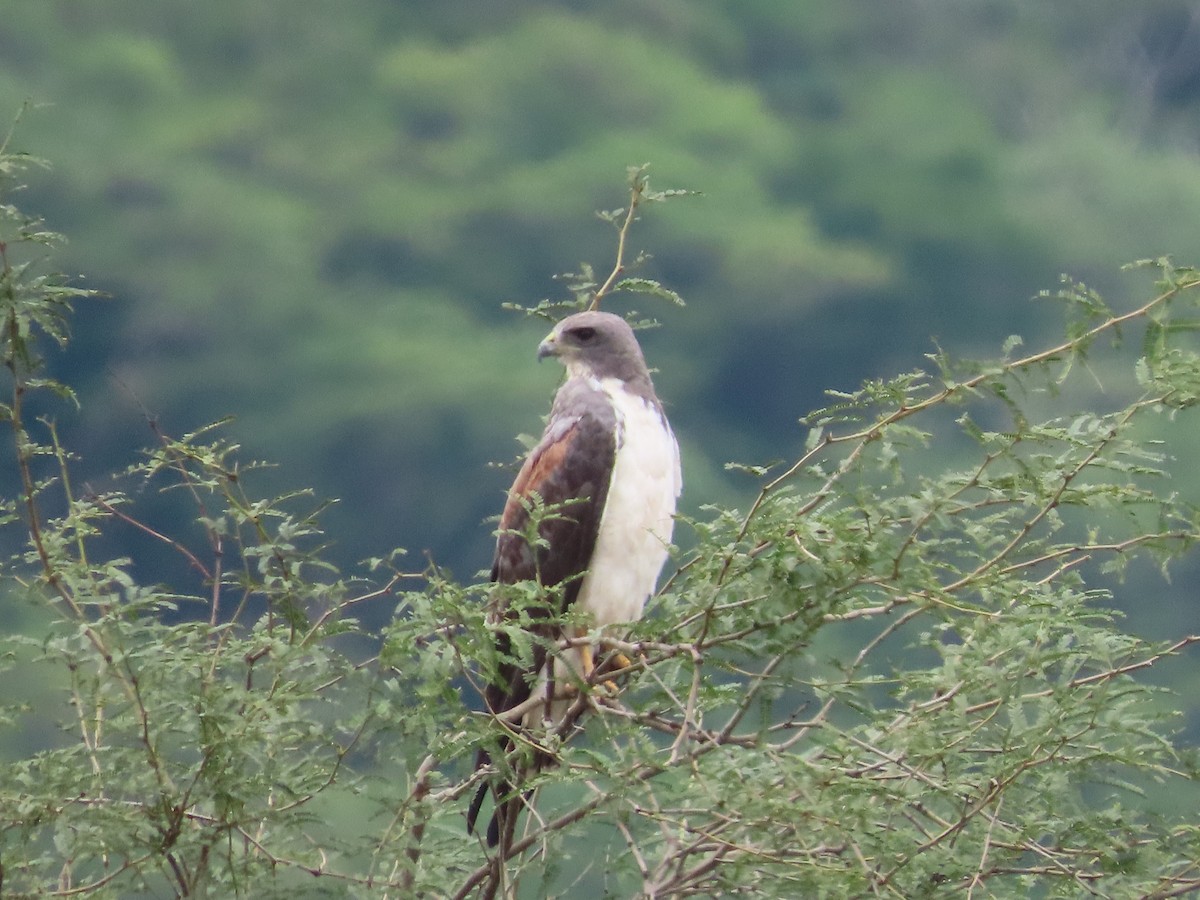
[597,345]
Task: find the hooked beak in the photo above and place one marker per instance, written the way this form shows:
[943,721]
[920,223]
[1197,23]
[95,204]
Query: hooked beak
[548,347]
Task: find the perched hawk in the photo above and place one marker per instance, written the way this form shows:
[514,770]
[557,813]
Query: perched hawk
[605,476]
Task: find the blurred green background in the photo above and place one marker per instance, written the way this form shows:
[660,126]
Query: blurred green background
[307,215]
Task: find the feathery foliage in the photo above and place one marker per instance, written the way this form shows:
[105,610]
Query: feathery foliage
[879,679]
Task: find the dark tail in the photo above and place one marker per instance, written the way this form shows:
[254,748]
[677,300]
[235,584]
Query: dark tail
[502,825]
[505,812]
[473,812]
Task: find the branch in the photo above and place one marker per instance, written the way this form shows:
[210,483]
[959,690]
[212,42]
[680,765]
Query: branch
[637,186]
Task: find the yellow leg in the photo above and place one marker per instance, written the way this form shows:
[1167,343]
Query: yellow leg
[587,661]
[587,665]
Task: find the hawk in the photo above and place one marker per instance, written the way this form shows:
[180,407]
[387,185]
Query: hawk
[604,479]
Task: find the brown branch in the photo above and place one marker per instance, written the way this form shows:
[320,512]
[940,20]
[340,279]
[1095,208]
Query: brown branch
[636,188]
[193,561]
[1146,663]
[418,793]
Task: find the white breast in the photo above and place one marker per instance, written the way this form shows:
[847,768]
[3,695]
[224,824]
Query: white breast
[635,532]
[635,529]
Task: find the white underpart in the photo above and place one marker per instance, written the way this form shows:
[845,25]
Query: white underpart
[635,527]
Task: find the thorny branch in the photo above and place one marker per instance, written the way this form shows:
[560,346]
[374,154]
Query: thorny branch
[664,867]
[712,693]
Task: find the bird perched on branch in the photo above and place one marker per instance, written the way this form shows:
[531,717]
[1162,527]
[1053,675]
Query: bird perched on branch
[600,489]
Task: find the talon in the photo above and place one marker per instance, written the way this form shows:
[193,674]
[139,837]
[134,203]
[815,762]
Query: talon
[619,662]
[613,664]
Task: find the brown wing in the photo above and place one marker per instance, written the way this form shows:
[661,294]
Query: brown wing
[569,472]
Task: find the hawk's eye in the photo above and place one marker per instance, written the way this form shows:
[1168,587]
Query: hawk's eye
[584,334]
